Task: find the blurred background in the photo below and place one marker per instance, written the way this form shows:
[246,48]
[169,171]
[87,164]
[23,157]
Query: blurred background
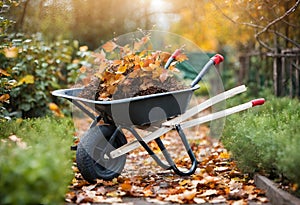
[259,39]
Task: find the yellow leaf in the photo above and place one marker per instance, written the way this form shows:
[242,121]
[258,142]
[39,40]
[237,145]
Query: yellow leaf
[122,69]
[11,52]
[109,46]
[225,155]
[27,79]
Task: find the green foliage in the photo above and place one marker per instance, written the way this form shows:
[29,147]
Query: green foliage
[33,69]
[35,163]
[267,139]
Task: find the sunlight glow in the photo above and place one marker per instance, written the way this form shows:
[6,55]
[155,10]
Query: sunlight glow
[158,5]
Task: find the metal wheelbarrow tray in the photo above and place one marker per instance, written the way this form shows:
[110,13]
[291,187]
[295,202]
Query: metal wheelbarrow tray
[140,110]
[101,152]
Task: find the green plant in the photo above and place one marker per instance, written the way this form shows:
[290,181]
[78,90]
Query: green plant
[35,163]
[266,139]
[32,69]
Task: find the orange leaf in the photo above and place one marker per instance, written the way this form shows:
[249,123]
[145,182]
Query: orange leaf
[3,72]
[126,186]
[225,155]
[55,109]
[122,69]
[82,69]
[4,97]
[181,57]
[109,46]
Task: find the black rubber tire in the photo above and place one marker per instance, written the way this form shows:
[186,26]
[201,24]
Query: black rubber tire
[89,155]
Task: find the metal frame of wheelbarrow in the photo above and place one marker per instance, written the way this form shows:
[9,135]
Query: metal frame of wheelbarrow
[177,123]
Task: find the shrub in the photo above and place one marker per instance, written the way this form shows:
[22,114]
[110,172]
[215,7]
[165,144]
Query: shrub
[32,69]
[267,139]
[35,163]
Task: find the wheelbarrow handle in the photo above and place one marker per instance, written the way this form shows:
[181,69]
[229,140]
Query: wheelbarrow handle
[213,61]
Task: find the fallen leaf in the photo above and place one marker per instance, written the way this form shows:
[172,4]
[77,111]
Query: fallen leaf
[198,200]
[218,199]
[209,192]
[126,186]
[189,194]
[225,155]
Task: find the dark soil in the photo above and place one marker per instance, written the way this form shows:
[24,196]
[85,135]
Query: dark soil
[133,87]
[91,90]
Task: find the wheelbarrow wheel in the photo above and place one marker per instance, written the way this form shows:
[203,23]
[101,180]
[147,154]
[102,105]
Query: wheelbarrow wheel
[91,158]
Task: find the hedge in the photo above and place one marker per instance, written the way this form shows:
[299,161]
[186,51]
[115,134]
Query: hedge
[35,162]
[267,139]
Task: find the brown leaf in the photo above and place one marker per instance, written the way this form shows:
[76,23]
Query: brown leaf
[3,72]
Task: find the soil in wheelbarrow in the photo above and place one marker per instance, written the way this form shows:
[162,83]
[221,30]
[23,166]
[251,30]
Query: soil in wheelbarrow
[95,91]
[134,75]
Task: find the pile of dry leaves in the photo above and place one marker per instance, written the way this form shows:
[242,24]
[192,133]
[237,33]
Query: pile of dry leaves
[217,180]
[132,72]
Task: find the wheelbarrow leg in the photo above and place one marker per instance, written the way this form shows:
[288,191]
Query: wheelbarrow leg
[148,149]
[171,164]
[188,149]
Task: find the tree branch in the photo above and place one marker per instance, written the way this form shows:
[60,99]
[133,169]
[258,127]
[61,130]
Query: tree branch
[266,28]
[287,13]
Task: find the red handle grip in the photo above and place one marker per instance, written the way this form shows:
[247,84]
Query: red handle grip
[217,59]
[259,101]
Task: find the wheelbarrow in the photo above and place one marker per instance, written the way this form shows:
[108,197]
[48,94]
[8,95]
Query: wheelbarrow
[101,152]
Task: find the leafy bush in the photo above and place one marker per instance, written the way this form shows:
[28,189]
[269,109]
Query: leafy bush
[267,139]
[35,163]
[32,69]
